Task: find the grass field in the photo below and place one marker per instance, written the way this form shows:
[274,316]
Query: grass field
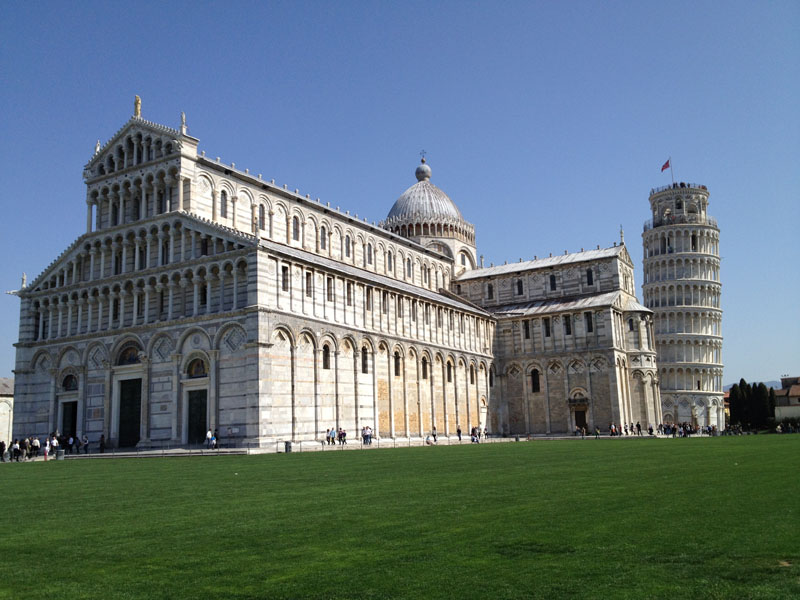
[637,518]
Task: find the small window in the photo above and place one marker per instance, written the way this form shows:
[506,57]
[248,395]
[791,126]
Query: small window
[347,246]
[526,326]
[397,364]
[349,294]
[326,357]
[427,314]
[490,291]
[70,383]
[329,291]
[630,324]
[285,278]
[389,263]
[546,323]
[196,369]
[567,325]
[399,301]
[323,238]
[385,303]
[587,317]
[449,373]
[309,284]
[414,310]
[589,277]
[519,287]
[369,298]
[535,381]
[295,229]
[439,317]
[261,217]
[552,283]
[463,260]
[471,375]
[364,360]
[223,204]
[458,288]
[409,271]
[369,254]
[424,368]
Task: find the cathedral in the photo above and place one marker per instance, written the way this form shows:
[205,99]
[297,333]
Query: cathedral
[202,296]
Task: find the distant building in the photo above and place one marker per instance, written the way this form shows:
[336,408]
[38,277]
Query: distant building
[6,408]
[682,287]
[787,399]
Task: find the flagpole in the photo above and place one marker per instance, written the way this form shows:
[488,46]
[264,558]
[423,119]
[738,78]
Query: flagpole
[670,171]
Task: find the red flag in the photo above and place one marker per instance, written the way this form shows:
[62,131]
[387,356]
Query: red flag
[666,166]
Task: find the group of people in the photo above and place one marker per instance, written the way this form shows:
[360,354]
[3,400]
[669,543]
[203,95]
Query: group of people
[475,435]
[31,447]
[626,429]
[212,440]
[333,435]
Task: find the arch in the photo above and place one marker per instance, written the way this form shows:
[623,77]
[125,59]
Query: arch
[197,345]
[127,341]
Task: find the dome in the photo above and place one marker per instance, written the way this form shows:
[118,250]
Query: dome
[424,201]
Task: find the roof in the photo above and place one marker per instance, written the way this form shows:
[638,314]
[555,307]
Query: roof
[543,263]
[424,201]
[558,305]
[6,386]
[388,282]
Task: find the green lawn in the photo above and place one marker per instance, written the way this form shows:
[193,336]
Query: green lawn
[638,518]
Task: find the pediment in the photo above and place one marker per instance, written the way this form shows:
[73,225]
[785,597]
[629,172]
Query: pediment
[625,256]
[144,141]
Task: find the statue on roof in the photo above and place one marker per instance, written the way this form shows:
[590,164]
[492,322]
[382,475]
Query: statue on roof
[24,279]
[97,147]
[137,107]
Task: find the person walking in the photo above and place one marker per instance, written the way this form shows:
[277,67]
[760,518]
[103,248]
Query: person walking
[458,431]
[102,445]
[209,435]
[433,433]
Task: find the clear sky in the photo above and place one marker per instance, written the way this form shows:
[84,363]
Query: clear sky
[546,122]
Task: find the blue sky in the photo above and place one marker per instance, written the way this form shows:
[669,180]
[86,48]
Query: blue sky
[547,123]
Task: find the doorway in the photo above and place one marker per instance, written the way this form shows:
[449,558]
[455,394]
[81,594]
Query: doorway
[130,412]
[197,417]
[580,419]
[69,419]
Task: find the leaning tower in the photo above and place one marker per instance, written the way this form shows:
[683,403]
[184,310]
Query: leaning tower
[682,288]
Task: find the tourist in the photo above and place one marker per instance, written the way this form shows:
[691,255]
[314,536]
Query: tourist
[458,432]
[36,447]
[2,451]
[209,435]
[15,451]
[369,435]
[46,448]
[433,433]
[638,428]
[216,440]
[85,441]
[102,444]
[596,433]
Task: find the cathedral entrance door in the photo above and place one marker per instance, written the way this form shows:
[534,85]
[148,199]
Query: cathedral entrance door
[130,411]
[580,418]
[197,417]
[69,418]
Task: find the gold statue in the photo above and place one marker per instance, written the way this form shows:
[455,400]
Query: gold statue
[137,107]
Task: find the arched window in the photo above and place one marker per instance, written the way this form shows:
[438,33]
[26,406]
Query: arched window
[261,217]
[295,229]
[369,254]
[589,277]
[70,383]
[519,287]
[408,267]
[424,368]
[389,263]
[463,259]
[397,364]
[347,246]
[326,357]
[449,372]
[196,369]
[552,283]
[471,374]
[490,291]
[364,360]
[223,204]
[535,381]
[630,324]
[129,356]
